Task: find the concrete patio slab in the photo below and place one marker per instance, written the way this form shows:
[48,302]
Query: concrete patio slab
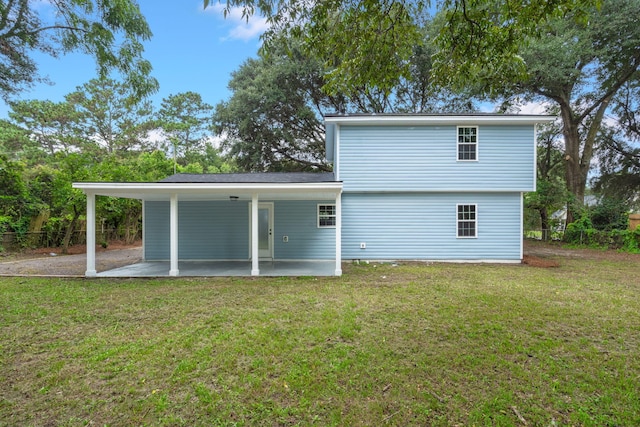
[224,268]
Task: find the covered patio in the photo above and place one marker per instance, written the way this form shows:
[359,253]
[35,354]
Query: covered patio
[224,268]
[259,192]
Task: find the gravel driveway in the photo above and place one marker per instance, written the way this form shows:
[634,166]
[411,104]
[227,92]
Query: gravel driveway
[69,265]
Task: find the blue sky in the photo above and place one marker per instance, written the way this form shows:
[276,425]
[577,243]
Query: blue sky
[192,49]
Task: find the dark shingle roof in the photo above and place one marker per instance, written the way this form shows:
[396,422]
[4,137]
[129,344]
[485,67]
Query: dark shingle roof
[251,178]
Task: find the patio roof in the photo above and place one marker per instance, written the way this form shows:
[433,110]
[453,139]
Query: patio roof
[245,178]
[270,186]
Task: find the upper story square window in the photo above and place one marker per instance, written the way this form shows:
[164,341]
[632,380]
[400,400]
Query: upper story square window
[468,143]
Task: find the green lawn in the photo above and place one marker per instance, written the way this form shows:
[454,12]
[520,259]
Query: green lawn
[413,344]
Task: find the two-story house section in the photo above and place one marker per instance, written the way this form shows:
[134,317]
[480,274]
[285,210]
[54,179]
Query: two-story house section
[404,187]
[433,187]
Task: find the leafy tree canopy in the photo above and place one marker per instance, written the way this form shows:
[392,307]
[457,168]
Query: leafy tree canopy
[111,115]
[110,30]
[370,41]
[186,122]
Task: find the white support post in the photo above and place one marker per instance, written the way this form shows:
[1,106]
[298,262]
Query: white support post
[173,234]
[144,227]
[255,266]
[91,236]
[338,271]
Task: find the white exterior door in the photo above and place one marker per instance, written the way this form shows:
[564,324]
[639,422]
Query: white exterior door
[265,231]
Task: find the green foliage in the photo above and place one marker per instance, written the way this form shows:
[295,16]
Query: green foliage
[585,232]
[631,242]
[579,231]
[370,42]
[51,125]
[270,123]
[112,115]
[578,66]
[185,120]
[111,31]
[610,214]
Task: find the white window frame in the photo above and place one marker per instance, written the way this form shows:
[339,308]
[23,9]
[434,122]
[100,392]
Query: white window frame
[474,220]
[459,143]
[326,216]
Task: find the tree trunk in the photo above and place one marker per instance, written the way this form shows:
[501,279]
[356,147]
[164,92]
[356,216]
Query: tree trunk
[575,184]
[69,232]
[544,223]
[578,163]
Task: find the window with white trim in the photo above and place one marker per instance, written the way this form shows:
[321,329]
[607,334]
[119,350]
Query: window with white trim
[467,221]
[326,216]
[468,143]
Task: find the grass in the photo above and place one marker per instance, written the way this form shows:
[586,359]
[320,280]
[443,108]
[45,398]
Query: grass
[408,345]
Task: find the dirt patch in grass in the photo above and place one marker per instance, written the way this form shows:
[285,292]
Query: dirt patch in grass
[535,261]
[558,249]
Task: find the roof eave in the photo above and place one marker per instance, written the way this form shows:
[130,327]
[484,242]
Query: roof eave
[140,190]
[440,119]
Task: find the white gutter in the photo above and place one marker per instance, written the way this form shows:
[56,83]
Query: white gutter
[516,119]
[160,187]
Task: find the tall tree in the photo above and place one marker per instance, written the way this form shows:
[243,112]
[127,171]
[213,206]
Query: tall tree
[273,120]
[111,116]
[185,120]
[53,125]
[580,68]
[110,30]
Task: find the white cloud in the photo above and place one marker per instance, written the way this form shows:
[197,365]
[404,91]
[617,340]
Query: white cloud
[241,28]
[534,108]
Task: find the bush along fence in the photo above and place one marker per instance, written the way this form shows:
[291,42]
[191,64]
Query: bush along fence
[13,241]
[578,233]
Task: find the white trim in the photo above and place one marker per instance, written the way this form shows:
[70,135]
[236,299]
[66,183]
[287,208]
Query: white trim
[535,157]
[452,190]
[144,224]
[336,154]
[338,271]
[444,261]
[477,144]
[335,215]
[471,119]
[255,259]
[91,236]
[521,226]
[248,188]
[173,234]
[475,221]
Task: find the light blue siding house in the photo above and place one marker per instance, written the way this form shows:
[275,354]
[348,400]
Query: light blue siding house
[403,187]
